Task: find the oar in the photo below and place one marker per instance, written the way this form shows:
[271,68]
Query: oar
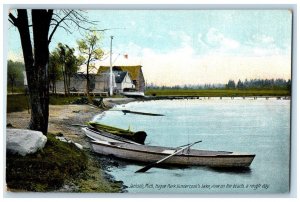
[147,167]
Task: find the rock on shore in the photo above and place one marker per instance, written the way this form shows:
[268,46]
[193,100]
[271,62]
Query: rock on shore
[23,141]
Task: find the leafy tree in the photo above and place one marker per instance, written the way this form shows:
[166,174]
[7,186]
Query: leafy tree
[71,65]
[240,85]
[63,64]
[55,73]
[230,84]
[90,49]
[14,73]
[67,62]
[41,24]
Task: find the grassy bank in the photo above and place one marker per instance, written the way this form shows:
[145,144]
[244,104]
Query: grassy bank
[47,169]
[58,164]
[217,92]
[20,102]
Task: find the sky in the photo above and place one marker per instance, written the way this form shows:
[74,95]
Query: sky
[178,47]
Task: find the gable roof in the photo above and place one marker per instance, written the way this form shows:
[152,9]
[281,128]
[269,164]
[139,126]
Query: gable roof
[119,76]
[133,71]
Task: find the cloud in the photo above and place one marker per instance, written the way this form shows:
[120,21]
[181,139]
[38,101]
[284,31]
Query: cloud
[264,45]
[263,39]
[184,66]
[218,41]
[215,42]
[221,58]
[180,37]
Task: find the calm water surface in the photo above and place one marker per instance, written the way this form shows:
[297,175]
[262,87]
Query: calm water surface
[257,126]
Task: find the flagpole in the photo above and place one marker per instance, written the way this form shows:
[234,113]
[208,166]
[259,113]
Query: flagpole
[110,69]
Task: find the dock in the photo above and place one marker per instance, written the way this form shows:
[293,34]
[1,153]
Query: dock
[94,94]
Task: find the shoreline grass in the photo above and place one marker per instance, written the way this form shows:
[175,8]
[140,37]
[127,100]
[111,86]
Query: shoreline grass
[19,102]
[218,92]
[47,169]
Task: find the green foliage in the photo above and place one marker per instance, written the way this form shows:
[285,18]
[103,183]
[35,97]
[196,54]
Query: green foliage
[63,64]
[230,84]
[80,60]
[54,67]
[89,47]
[90,50]
[98,54]
[47,169]
[15,75]
[17,103]
[240,85]
[59,100]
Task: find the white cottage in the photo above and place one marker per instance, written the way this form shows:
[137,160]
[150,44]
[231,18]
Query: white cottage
[122,80]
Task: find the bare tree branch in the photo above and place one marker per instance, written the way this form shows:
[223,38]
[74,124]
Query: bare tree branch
[11,22]
[54,29]
[86,28]
[67,30]
[13,19]
[53,19]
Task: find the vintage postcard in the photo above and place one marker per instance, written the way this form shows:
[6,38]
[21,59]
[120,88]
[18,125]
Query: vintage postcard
[149,101]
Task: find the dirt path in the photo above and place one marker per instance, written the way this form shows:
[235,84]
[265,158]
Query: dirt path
[61,118]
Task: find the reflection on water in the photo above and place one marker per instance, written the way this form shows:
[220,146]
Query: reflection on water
[261,127]
[237,170]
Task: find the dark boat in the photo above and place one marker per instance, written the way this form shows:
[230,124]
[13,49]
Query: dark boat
[99,131]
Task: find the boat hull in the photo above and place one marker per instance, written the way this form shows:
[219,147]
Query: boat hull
[134,94]
[147,154]
[103,136]
[116,133]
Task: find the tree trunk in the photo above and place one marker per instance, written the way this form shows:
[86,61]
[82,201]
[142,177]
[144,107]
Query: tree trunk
[88,76]
[40,90]
[64,76]
[12,85]
[69,83]
[37,66]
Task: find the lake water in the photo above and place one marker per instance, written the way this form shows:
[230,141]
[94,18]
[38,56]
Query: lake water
[257,126]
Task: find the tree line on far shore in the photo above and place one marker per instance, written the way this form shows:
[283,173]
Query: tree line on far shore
[15,80]
[265,84]
[260,84]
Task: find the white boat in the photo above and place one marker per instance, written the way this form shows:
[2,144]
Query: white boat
[132,93]
[187,157]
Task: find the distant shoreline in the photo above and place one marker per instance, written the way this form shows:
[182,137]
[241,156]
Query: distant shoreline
[153,98]
[219,92]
